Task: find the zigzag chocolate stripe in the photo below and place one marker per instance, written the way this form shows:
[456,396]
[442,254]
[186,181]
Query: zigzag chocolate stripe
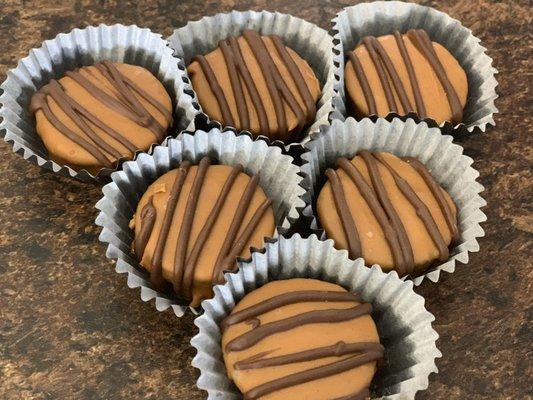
[276,83]
[389,75]
[376,197]
[125,103]
[184,265]
[357,353]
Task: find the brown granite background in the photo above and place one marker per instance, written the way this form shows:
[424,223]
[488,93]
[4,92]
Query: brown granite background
[71,329]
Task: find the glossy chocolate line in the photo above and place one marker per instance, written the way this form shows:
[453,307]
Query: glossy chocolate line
[258,48]
[286,299]
[113,76]
[75,113]
[313,374]
[338,349]
[297,77]
[236,223]
[361,395]
[120,83]
[239,244]
[250,338]
[395,78]
[437,193]
[186,225]
[348,224]
[421,209]
[363,81]
[250,85]
[238,93]
[72,108]
[186,287]
[153,101]
[373,203]
[419,100]
[367,41]
[156,273]
[421,39]
[102,96]
[148,217]
[216,89]
[387,205]
[40,102]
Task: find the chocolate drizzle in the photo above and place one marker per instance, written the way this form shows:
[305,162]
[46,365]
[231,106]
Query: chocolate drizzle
[351,355]
[377,199]
[184,263]
[387,73]
[250,338]
[339,349]
[123,101]
[278,89]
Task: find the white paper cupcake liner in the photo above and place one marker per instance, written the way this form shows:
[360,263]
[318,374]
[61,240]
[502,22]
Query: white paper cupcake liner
[380,18]
[279,178]
[68,51]
[444,159]
[312,43]
[404,325]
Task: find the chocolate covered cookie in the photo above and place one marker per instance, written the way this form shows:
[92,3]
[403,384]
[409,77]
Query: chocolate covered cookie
[258,84]
[301,339]
[98,114]
[404,73]
[388,210]
[193,222]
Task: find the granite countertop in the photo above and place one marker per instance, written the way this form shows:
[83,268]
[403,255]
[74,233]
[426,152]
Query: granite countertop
[71,329]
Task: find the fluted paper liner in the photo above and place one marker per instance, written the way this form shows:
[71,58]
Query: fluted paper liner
[380,18]
[404,325]
[312,43]
[279,179]
[444,160]
[68,51]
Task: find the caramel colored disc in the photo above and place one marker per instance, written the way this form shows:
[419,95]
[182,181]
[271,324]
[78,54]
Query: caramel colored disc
[99,114]
[389,211]
[301,339]
[193,222]
[256,83]
[406,73]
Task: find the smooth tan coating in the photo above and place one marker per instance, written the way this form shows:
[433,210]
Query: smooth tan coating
[375,247]
[307,337]
[64,151]
[432,91]
[210,105]
[215,177]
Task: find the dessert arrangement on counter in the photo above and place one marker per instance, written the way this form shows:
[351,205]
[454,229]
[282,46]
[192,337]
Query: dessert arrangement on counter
[287,185]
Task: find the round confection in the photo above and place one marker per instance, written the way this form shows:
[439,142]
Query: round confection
[388,210]
[301,339]
[403,74]
[255,83]
[193,222]
[96,115]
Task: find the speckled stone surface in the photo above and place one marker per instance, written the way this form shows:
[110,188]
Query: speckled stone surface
[71,329]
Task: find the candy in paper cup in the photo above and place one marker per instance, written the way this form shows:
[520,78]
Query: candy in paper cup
[279,179]
[68,51]
[312,43]
[380,18]
[403,323]
[443,159]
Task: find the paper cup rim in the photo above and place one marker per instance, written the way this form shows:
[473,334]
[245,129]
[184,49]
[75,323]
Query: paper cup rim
[369,126]
[446,126]
[82,174]
[236,282]
[165,301]
[202,120]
